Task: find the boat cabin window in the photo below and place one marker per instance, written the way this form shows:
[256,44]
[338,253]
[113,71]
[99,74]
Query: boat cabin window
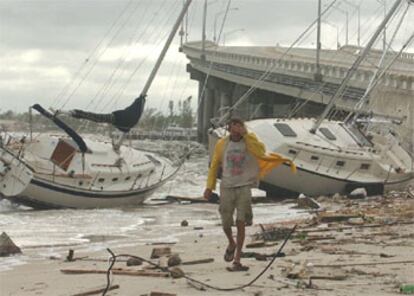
[340,163]
[285,129]
[327,133]
[101,180]
[358,136]
[128,178]
[291,151]
[365,166]
[114,179]
[313,157]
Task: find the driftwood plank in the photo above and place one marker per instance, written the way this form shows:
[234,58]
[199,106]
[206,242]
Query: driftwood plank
[117,272]
[328,277]
[161,294]
[363,263]
[200,261]
[98,291]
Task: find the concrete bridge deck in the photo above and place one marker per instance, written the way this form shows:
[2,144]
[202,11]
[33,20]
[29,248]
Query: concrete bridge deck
[289,80]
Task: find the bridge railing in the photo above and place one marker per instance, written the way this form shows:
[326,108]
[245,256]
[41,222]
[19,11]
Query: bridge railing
[304,66]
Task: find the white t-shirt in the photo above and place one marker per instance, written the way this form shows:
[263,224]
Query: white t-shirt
[240,168]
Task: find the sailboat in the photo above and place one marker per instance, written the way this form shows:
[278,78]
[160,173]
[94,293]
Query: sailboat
[331,156]
[71,171]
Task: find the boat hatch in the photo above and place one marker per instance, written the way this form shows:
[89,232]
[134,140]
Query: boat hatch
[327,133]
[63,154]
[357,135]
[285,129]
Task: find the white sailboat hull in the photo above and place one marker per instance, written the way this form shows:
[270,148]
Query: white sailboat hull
[281,179]
[328,166]
[40,194]
[101,179]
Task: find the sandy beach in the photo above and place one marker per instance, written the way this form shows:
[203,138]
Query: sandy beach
[350,247]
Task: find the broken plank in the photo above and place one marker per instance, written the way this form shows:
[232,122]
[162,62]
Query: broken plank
[328,277]
[200,261]
[161,294]
[256,244]
[117,272]
[364,263]
[98,291]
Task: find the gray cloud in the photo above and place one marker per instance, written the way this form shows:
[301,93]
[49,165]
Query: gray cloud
[44,42]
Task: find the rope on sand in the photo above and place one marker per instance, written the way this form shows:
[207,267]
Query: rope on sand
[113,258]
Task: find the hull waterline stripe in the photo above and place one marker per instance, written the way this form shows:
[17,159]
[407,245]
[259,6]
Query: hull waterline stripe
[350,181]
[90,194]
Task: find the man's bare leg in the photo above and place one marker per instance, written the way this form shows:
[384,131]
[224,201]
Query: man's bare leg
[229,235]
[241,229]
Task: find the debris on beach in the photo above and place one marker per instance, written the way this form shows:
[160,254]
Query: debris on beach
[176,272]
[160,252]
[7,246]
[348,241]
[134,262]
[358,193]
[161,294]
[174,260]
[305,202]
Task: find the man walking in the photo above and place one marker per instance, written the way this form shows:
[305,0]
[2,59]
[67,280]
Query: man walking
[242,159]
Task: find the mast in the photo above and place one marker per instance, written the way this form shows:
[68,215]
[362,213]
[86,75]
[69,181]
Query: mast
[164,50]
[203,33]
[354,67]
[157,64]
[318,76]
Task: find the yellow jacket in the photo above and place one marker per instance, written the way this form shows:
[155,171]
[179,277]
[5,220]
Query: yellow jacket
[265,161]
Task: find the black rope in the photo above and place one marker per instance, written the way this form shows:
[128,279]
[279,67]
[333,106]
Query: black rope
[165,269]
[108,273]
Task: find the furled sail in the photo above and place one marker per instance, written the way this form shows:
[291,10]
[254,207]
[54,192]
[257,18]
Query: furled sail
[74,135]
[123,119]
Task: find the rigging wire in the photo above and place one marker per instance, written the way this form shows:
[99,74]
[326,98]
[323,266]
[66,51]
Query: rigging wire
[127,55]
[110,80]
[96,61]
[170,15]
[90,56]
[153,34]
[376,76]
[301,105]
[270,68]
[159,41]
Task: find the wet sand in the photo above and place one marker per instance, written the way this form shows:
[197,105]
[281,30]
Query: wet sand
[354,247]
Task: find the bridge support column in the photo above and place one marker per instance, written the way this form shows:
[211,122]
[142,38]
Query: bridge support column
[224,102]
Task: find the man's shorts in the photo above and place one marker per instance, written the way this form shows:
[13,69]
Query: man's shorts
[239,198]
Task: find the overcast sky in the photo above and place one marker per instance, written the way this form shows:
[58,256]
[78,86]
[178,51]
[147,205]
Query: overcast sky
[97,54]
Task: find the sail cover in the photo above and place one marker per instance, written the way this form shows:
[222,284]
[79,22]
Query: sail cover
[74,135]
[123,119]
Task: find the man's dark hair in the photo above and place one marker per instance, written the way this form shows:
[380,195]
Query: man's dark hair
[235,120]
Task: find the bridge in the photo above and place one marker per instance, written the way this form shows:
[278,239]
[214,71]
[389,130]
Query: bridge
[225,73]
